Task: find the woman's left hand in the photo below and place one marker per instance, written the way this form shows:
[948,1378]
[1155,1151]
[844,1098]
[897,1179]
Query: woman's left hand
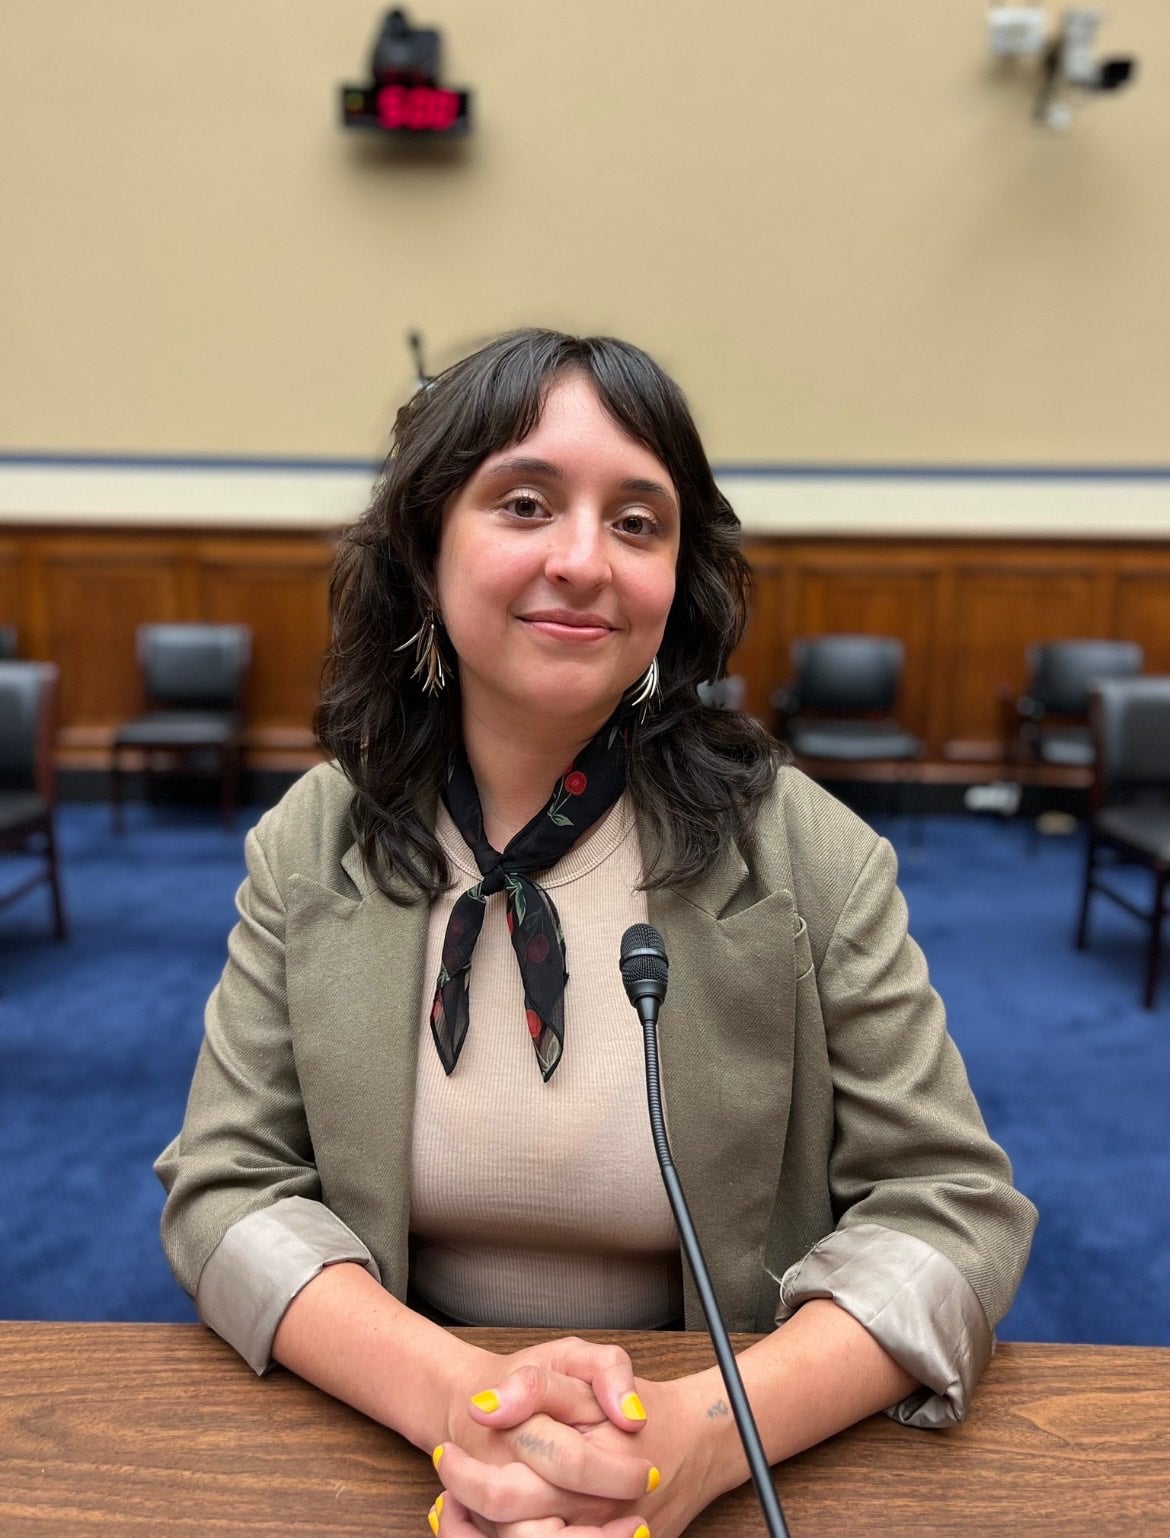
[514,1504]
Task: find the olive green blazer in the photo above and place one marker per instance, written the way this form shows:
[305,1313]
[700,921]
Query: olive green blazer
[808,1077]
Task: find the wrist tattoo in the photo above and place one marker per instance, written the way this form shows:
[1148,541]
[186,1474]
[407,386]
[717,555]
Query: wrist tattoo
[717,1409]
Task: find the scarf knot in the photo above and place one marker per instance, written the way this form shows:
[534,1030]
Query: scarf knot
[492,869]
[591,784]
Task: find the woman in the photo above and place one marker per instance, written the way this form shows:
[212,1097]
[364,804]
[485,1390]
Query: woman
[420,1094]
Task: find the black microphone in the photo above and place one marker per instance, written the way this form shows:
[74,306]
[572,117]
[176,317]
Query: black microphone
[415,342]
[644,974]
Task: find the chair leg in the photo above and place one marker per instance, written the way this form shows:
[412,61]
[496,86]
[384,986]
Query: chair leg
[1154,953]
[1032,836]
[230,794]
[1082,938]
[913,803]
[116,791]
[59,924]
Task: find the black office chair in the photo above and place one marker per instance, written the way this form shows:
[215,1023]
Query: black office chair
[837,708]
[28,698]
[1130,822]
[194,680]
[1049,723]
[7,642]
[725,693]
[836,713]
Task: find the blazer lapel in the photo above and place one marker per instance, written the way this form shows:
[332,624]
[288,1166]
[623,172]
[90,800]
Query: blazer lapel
[726,1035]
[355,999]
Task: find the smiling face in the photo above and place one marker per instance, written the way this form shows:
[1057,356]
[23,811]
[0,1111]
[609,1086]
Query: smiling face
[556,567]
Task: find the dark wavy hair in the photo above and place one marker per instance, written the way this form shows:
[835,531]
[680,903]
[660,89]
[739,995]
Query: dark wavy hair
[697,775]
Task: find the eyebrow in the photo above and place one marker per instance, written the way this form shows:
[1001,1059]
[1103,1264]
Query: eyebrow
[551,472]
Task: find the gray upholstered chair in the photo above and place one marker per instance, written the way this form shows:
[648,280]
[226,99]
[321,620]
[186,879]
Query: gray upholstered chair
[194,680]
[28,697]
[1130,821]
[1049,723]
[838,707]
[725,693]
[836,715]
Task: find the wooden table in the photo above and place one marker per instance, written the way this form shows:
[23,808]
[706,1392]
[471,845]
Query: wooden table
[161,1430]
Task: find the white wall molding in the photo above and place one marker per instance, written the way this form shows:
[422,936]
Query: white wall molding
[956,505]
[240,495]
[879,502]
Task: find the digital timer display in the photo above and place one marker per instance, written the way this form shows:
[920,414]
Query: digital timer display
[416,109]
[404,95]
[421,108]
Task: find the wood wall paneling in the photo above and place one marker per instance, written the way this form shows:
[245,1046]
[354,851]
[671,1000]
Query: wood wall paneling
[90,595]
[81,598]
[870,597]
[762,656]
[1142,613]
[1000,610]
[808,588]
[966,611]
[282,591]
[11,600]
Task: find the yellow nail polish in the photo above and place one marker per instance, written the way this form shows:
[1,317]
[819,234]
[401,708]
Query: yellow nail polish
[488,1401]
[642,1531]
[433,1521]
[437,1455]
[438,1507]
[633,1410]
[653,1479]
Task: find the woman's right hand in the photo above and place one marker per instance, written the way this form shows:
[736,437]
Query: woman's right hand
[573,1380]
[526,1414]
[685,1442]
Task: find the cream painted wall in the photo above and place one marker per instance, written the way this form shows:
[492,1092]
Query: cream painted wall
[834,222]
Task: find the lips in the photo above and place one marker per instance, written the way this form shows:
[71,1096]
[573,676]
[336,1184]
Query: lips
[569,625]
[570,617]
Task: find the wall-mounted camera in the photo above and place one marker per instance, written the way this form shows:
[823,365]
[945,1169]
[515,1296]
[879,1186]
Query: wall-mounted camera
[1018,31]
[1066,54]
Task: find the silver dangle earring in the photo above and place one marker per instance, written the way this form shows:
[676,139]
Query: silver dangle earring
[428,659]
[646,690]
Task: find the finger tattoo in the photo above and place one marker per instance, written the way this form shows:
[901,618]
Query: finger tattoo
[534,1444]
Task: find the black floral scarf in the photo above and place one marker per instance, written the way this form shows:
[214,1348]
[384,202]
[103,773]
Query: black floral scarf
[587,789]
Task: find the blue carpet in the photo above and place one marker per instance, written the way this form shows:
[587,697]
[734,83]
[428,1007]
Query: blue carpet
[97,1042]
[98,1037]
[1072,1075]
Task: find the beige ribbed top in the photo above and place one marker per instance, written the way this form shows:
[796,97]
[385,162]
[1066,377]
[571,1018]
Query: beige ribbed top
[542,1203]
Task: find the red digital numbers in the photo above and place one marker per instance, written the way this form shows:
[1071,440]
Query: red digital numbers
[417,108]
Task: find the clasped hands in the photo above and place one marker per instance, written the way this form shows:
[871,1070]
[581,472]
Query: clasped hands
[561,1440]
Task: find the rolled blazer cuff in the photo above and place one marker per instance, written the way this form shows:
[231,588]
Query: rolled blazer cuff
[916,1304]
[262,1262]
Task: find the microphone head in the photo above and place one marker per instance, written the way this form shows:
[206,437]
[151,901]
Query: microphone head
[643,959]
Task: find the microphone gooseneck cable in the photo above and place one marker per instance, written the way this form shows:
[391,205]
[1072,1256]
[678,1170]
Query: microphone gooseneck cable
[644,972]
